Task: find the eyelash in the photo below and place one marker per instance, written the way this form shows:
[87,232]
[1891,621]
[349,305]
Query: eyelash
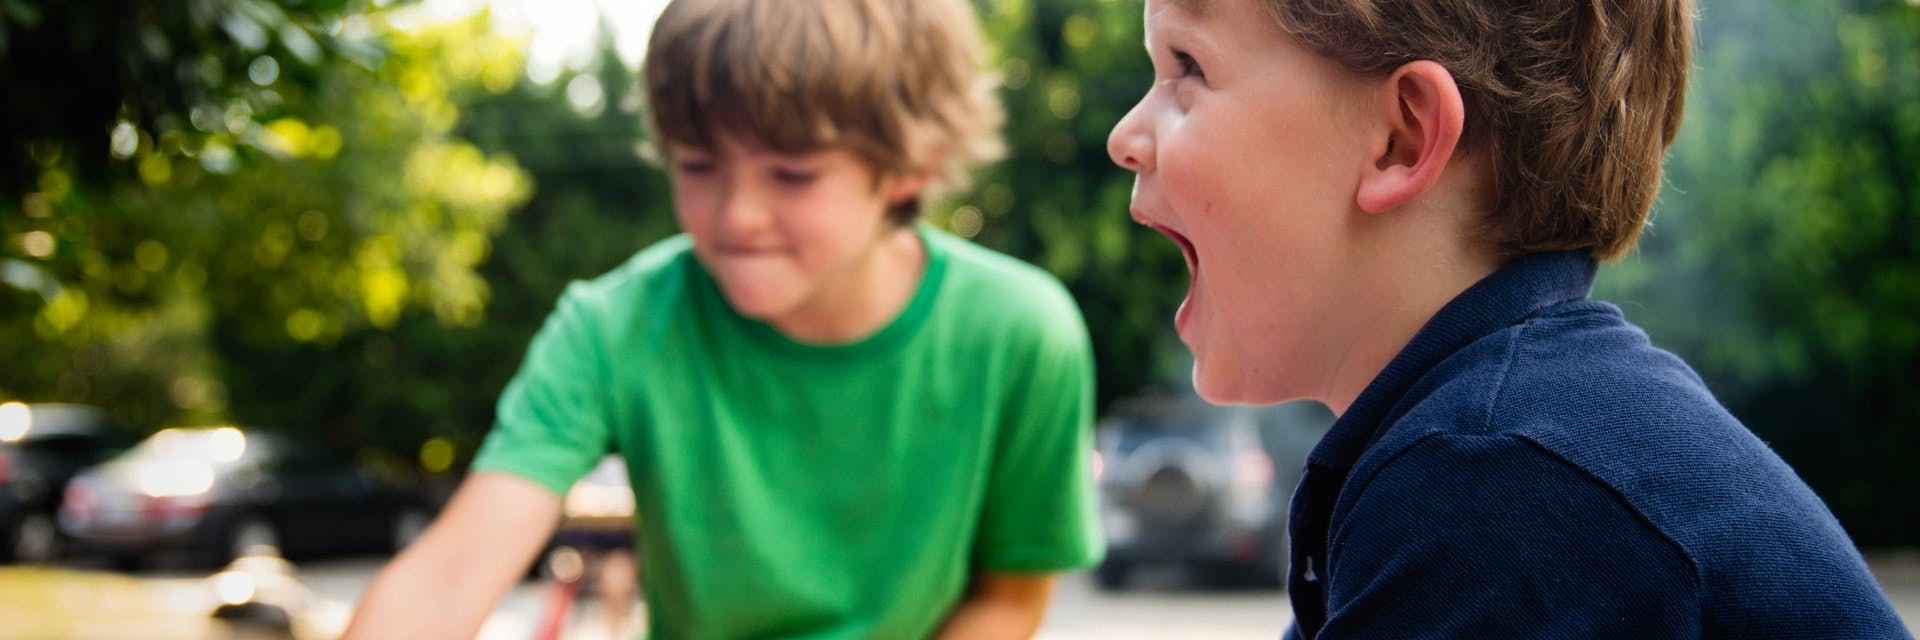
[786,177]
[794,178]
[1188,66]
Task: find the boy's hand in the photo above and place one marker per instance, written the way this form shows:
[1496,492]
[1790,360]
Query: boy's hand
[1000,606]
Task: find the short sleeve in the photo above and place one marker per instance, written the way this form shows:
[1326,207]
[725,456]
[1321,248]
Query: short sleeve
[1041,513]
[552,422]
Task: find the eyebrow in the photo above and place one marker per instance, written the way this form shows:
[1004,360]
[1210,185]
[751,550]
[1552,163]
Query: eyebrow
[1194,8]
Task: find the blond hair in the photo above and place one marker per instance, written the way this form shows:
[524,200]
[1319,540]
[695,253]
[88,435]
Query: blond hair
[897,82]
[1574,103]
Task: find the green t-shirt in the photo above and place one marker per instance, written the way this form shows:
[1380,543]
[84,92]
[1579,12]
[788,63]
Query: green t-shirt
[793,490]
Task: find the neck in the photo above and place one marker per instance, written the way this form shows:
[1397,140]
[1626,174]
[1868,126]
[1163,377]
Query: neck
[876,289]
[1414,263]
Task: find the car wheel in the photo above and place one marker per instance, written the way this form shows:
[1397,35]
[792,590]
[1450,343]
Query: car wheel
[252,534]
[408,526]
[35,540]
[1111,575]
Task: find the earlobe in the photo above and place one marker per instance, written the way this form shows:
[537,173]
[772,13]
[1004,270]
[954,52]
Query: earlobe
[907,187]
[1424,117]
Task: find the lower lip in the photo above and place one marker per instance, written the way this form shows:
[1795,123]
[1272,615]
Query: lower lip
[749,251]
[1184,316]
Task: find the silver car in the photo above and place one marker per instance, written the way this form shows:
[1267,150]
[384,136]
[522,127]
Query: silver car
[1186,483]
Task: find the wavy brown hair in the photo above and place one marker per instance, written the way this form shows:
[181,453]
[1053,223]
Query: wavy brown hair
[1573,102]
[897,82]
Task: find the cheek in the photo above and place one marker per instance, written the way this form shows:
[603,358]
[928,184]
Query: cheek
[1203,167]
[690,202]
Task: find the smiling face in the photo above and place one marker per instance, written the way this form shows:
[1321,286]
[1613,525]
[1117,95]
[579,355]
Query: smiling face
[1247,156]
[792,239]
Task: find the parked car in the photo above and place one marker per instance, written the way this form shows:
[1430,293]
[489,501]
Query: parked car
[42,446]
[1186,483]
[217,493]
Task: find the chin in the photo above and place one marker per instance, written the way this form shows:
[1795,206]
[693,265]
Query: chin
[759,307]
[1212,388]
[1231,388]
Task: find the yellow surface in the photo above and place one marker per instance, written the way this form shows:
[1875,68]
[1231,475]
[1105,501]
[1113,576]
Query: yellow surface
[43,603]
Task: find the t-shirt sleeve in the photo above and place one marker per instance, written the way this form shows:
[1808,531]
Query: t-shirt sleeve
[1479,536]
[1041,514]
[552,420]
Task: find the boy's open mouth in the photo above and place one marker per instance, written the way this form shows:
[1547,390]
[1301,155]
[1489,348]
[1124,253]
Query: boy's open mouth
[1186,246]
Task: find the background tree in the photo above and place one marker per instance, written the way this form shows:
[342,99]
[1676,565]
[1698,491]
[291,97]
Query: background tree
[316,199]
[299,213]
[1784,258]
[1071,69]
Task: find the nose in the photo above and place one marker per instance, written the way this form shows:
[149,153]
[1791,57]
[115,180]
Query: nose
[742,210]
[1130,144]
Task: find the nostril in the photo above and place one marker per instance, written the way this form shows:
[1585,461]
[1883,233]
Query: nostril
[1130,148]
[1125,153]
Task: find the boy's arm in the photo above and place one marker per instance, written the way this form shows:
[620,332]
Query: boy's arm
[445,583]
[1000,605]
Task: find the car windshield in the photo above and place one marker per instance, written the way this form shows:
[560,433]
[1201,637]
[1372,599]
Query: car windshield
[222,446]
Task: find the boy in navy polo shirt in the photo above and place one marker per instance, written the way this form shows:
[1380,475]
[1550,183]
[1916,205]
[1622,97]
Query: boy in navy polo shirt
[1396,209]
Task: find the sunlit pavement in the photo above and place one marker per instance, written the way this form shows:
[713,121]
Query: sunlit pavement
[41,604]
[1157,609]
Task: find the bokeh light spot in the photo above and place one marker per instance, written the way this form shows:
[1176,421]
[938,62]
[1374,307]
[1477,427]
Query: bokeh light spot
[263,70]
[436,455]
[38,244]
[967,222]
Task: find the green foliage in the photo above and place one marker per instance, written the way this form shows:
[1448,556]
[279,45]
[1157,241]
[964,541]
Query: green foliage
[394,389]
[1072,68]
[291,212]
[1784,259]
[301,210]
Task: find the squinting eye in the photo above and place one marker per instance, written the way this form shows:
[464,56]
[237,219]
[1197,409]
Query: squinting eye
[1188,67]
[694,167]
[794,178]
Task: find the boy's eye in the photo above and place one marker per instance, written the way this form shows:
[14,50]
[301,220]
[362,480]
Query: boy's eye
[795,178]
[1187,65]
[694,167]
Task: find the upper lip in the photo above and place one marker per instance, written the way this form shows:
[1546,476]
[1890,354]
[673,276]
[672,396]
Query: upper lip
[1186,246]
[1141,217]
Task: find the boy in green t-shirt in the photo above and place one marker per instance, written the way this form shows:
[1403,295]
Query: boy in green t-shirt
[838,423]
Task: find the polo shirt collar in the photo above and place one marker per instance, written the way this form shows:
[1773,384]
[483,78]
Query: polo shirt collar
[1510,294]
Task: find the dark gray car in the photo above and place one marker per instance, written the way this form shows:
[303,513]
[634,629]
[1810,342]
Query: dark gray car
[1186,483]
[219,493]
[42,446]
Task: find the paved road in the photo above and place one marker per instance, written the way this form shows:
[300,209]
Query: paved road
[1160,608]
[41,603]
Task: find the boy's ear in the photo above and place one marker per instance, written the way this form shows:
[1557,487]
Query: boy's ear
[1424,115]
[907,187]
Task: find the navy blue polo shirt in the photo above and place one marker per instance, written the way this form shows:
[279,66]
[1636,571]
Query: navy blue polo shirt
[1529,466]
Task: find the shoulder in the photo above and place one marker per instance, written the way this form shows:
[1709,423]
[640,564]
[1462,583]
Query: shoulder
[1580,386]
[649,283]
[977,272]
[1002,296]
[1483,487]
[1570,373]
[660,265]
[1489,531]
